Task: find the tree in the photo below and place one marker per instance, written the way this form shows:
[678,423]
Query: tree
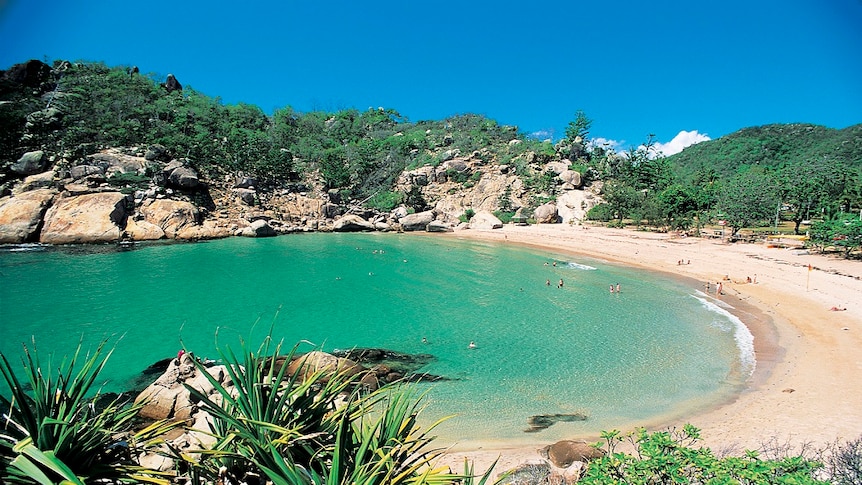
[810,185]
[579,128]
[678,204]
[621,198]
[843,232]
[748,198]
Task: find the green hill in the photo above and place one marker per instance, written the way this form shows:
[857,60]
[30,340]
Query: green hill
[771,146]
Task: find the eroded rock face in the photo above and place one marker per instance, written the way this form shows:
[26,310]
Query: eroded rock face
[172,216]
[21,215]
[143,230]
[89,218]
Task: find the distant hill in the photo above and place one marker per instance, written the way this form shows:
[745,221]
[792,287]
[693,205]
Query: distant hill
[771,146]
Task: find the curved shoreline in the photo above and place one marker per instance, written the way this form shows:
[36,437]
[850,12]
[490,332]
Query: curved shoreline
[806,386]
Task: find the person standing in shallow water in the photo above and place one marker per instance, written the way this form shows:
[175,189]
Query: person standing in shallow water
[560,284]
[618,287]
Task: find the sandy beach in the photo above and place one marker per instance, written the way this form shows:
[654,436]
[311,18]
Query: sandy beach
[807,385]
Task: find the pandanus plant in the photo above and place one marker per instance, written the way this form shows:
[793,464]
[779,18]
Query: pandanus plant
[52,431]
[313,427]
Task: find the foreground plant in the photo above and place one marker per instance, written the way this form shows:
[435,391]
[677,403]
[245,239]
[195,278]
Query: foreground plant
[670,457]
[55,432]
[312,427]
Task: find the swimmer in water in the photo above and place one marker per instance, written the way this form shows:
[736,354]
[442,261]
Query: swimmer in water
[472,345]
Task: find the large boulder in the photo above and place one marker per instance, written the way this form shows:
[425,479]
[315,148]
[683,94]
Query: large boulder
[157,153]
[315,361]
[439,226]
[352,223]
[89,218]
[571,179]
[172,216]
[246,196]
[21,215]
[30,163]
[183,177]
[546,214]
[261,228]
[143,230]
[168,398]
[42,180]
[564,453]
[485,220]
[556,167]
[416,222]
[81,171]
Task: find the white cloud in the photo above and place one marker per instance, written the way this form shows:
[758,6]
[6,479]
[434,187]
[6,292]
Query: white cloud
[681,140]
[608,145]
[542,135]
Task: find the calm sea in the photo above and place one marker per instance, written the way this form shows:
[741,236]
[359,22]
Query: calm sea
[657,349]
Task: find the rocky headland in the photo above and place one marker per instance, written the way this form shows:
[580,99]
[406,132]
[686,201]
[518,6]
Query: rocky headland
[54,200]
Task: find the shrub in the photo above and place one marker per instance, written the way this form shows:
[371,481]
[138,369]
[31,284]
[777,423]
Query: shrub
[504,216]
[467,215]
[670,457]
[601,212]
[385,201]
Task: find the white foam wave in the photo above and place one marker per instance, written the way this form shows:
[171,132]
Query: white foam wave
[17,248]
[579,266]
[741,335]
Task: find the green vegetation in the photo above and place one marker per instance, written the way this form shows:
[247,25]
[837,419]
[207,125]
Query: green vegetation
[467,215]
[56,432]
[670,457]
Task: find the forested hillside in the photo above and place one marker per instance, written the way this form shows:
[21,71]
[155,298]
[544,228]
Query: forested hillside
[772,146]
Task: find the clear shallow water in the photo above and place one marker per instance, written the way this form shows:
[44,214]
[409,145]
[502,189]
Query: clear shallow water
[656,349]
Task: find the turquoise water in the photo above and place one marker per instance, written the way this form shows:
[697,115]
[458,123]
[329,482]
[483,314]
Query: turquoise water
[657,349]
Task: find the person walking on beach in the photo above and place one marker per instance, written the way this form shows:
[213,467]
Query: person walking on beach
[718,289]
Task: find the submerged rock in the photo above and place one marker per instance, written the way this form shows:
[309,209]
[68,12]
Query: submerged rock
[544,421]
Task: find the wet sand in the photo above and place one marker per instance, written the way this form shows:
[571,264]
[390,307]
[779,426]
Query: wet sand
[807,384]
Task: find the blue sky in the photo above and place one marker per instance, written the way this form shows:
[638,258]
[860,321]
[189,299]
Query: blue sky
[636,68]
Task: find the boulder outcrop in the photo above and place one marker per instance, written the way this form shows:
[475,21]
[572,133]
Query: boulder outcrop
[171,216]
[30,163]
[352,223]
[21,215]
[546,214]
[98,217]
[485,220]
[416,222]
